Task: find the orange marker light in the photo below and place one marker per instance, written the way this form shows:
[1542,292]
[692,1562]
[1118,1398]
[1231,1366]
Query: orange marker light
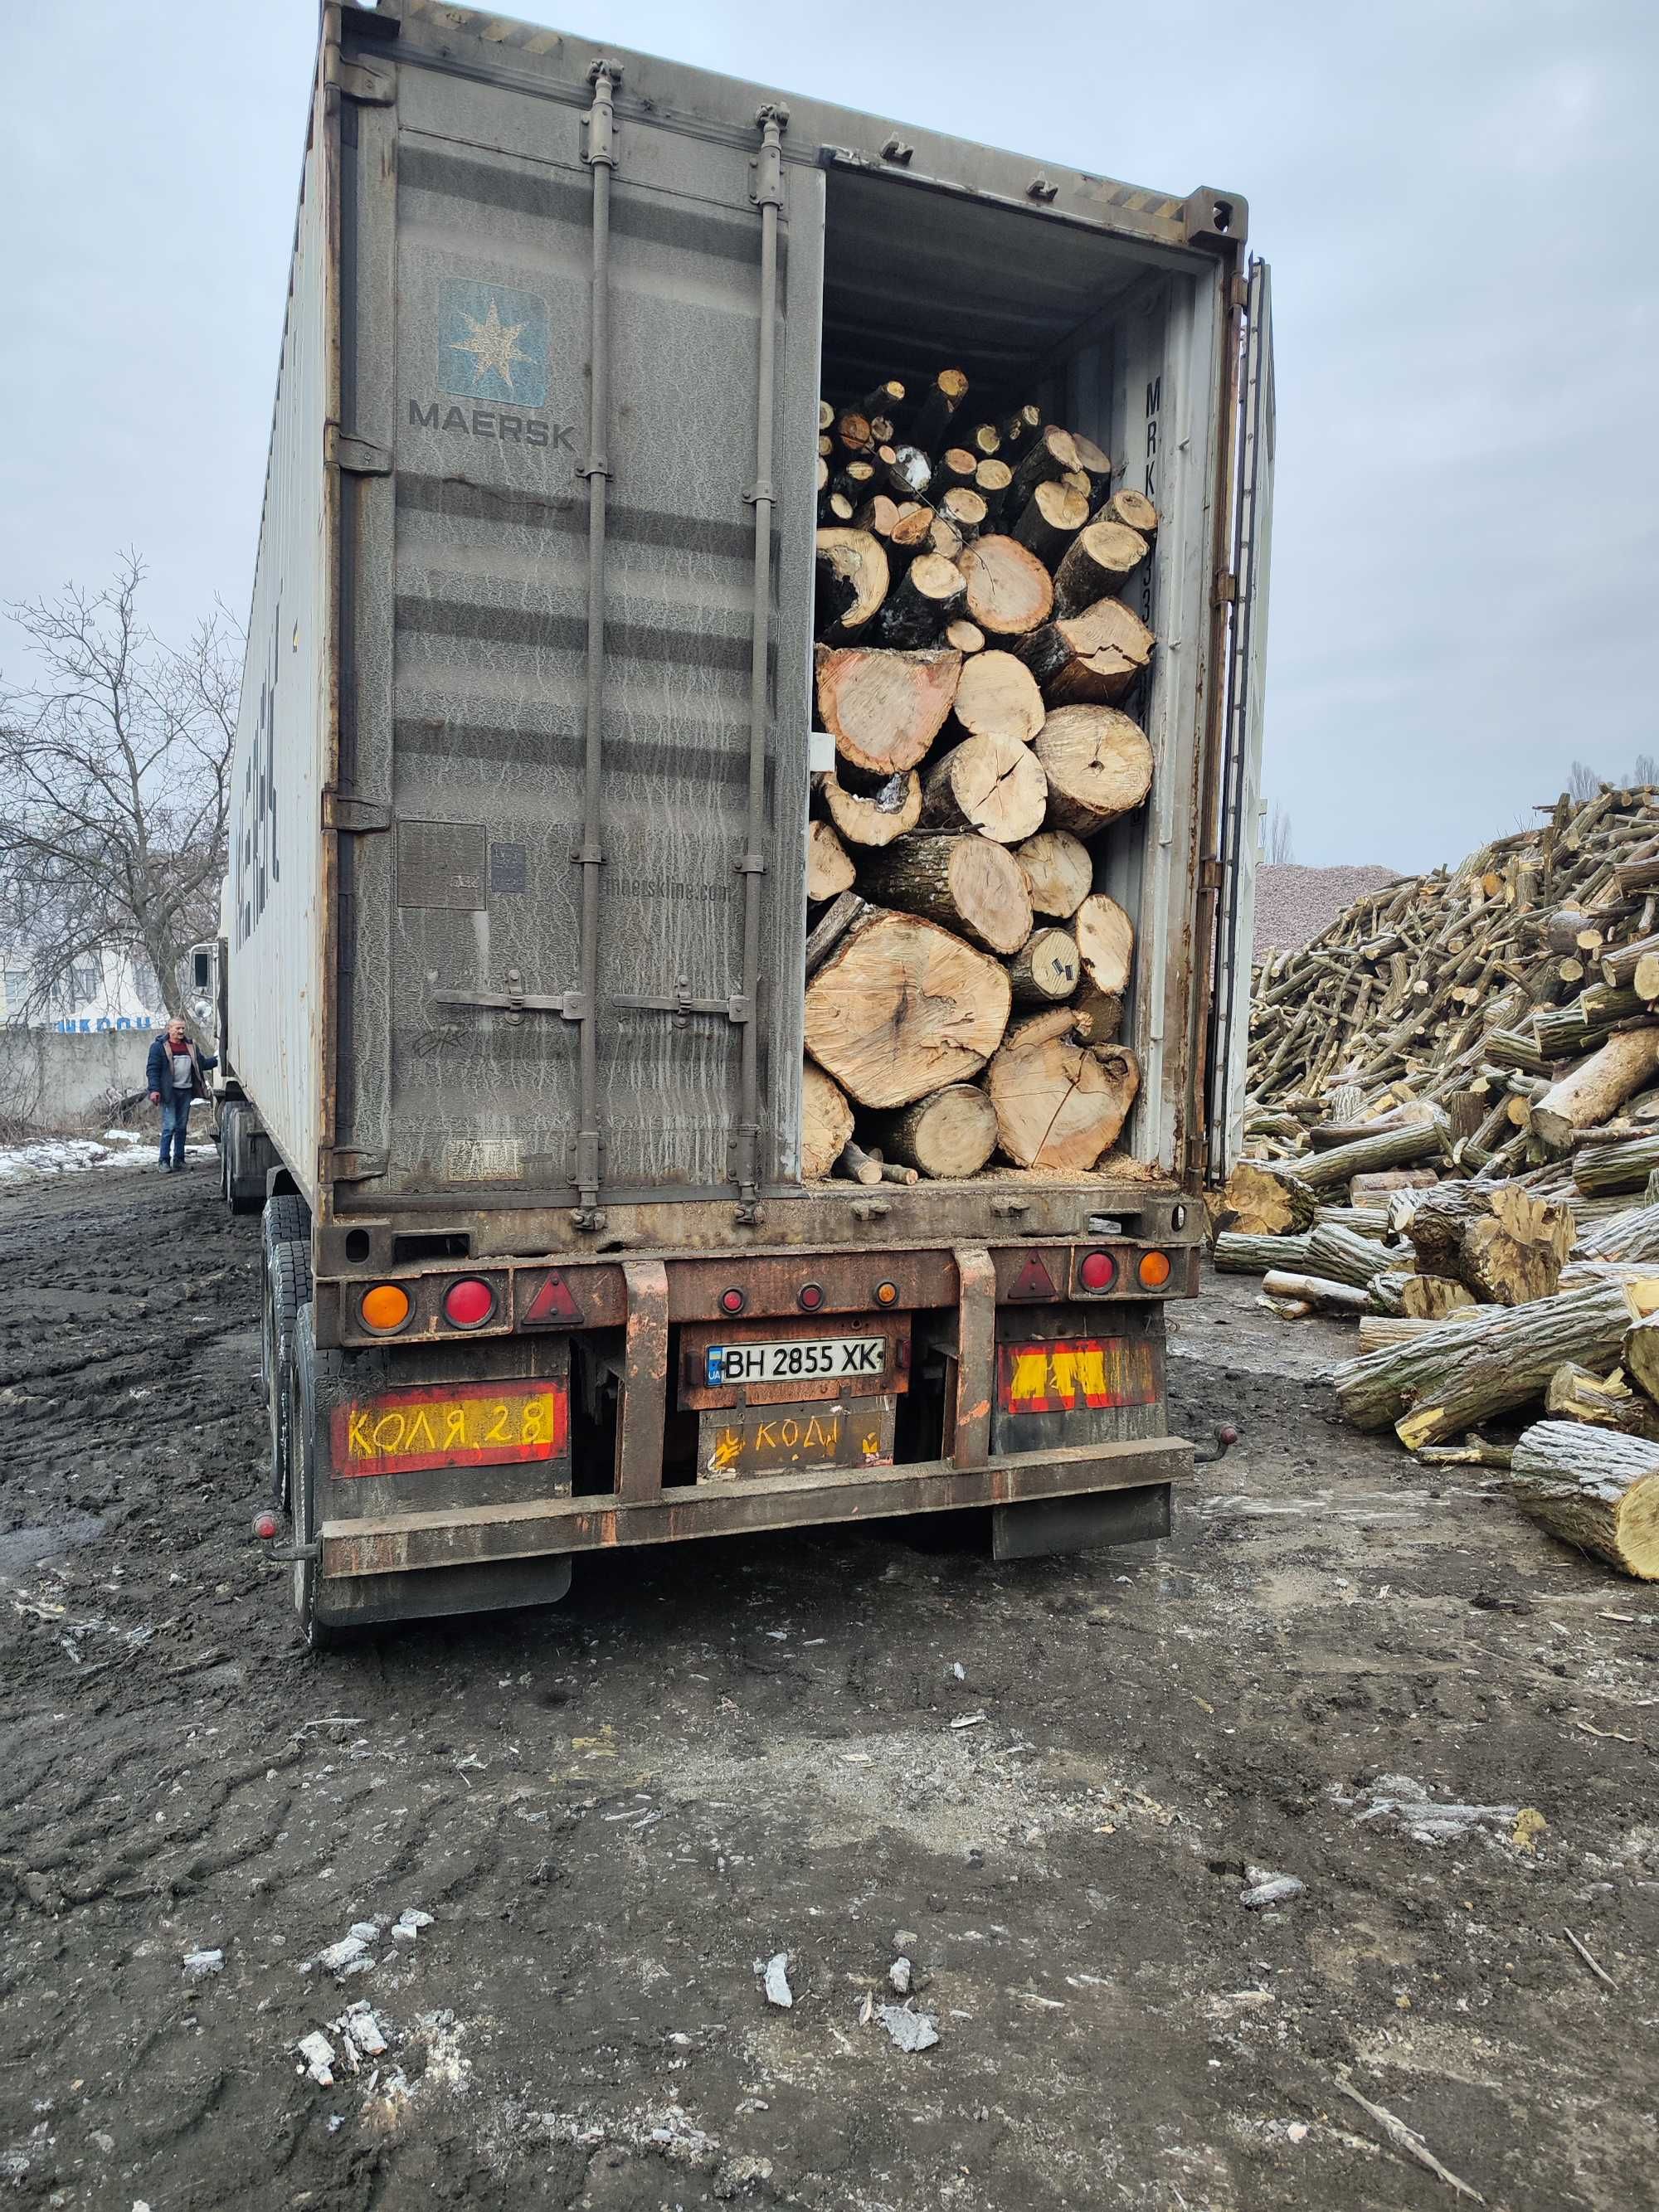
[886,1294]
[384,1308]
[1154,1270]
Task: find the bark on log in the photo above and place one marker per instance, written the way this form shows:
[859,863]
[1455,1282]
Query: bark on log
[1600,1169]
[927,596]
[1578,1394]
[936,403]
[878,820]
[1317,1291]
[1057,871]
[1639,1355]
[1094,460]
[1096,1015]
[1089,658]
[1236,1254]
[1431,1297]
[1265,1199]
[997,696]
[1586,1324]
[1594,1092]
[856,1165]
[1621,962]
[1339,1256]
[948,1135]
[1134,510]
[1047,459]
[1044,972]
[1376,1189]
[831,926]
[1098,764]
[1516,1252]
[1009,590]
[1513,1363]
[1105,942]
[955,466]
[1633,1235]
[877,516]
[1059,1105]
[884,709]
[991,784]
[826,1123]
[903,1007]
[1050,520]
[964,509]
[968,884]
[983,441]
[885,400]
[1394,1148]
[1097,565]
[852,580]
[1378,1330]
[913,523]
[835,509]
[1018,430]
[1595,1490]
[828,868]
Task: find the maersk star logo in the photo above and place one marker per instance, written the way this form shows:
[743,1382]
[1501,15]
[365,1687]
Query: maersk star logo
[492,343]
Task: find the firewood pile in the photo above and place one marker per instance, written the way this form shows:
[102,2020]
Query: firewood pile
[1453,1135]
[977,668]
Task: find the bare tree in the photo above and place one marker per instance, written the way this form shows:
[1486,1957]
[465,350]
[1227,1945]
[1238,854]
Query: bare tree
[115,785]
[1281,850]
[1646,771]
[1583,781]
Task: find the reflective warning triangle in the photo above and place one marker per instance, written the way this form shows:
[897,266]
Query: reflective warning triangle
[1034,1281]
[553,1302]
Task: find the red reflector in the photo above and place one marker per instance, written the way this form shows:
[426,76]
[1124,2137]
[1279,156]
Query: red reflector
[1034,1281]
[1099,1271]
[469,1303]
[732,1301]
[553,1302]
[809,1297]
[265,1526]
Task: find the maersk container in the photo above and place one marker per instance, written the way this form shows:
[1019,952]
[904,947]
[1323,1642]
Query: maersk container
[512,931]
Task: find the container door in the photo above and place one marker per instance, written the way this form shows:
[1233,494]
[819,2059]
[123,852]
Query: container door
[489,237]
[1230,1004]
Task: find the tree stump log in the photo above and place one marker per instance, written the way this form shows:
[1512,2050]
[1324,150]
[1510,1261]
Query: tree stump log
[1593,1489]
[1098,764]
[901,1007]
[1134,510]
[948,1135]
[1089,658]
[1059,1104]
[1050,520]
[1047,459]
[1432,1298]
[1265,1199]
[884,709]
[965,884]
[1578,1394]
[1009,590]
[1097,565]
[1044,972]
[1057,871]
[991,784]
[997,696]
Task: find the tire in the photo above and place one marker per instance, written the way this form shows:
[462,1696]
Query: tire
[244,1191]
[287,1288]
[286,1221]
[299,1389]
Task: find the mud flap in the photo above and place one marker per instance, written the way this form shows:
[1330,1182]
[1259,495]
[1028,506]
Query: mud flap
[1078,1524]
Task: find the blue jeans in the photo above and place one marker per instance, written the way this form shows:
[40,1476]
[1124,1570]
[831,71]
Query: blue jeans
[175,1120]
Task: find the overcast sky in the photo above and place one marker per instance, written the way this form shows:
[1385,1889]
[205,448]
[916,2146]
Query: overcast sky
[1457,201]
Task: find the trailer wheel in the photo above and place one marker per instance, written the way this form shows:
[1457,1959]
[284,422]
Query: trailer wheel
[288,1288]
[285,1220]
[299,1385]
[243,1187]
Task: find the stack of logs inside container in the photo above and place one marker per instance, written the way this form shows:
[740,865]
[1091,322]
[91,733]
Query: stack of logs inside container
[975,668]
[1454,1135]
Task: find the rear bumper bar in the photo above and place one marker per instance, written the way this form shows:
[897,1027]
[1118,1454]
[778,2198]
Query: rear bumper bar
[409,1542]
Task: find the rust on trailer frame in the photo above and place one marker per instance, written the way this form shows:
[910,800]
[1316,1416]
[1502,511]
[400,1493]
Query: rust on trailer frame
[969,1446]
[643,1413]
[406,1542]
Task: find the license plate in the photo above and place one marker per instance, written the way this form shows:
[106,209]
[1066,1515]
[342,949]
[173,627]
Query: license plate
[800,1359]
[1075,1375]
[456,1425]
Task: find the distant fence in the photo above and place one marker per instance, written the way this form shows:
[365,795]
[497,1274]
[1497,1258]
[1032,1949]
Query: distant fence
[52,1079]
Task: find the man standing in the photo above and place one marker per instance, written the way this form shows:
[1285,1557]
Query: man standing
[176,1074]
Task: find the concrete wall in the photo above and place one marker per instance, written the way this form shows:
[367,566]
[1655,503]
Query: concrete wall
[55,1080]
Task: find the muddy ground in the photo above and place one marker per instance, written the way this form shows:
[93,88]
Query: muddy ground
[612,1812]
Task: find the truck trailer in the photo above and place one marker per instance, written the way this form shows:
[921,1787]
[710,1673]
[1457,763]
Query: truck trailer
[512,1013]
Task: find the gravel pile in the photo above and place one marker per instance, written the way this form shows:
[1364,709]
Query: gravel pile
[1293,904]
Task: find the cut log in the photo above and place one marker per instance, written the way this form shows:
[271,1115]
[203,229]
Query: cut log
[1339,1256]
[1431,1297]
[1236,1254]
[1048,457]
[892,1172]
[1088,658]
[856,482]
[947,1136]
[1513,1363]
[1394,1148]
[852,580]
[1059,1105]
[903,1007]
[1434,1228]
[1316,1292]
[1362,1221]
[936,403]
[856,1165]
[1262,1198]
[965,884]
[913,523]
[1105,942]
[835,510]
[1057,871]
[983,440]
[1096,1015]
[1017,431]
[1377,1189]
[955,466]
[945,539]
[1595,1091]
[826,1123]
[878,820]
[1578,1394]
[1600,1169]
[879,516]
[1093,461]
[1134,510]
[1597,1491]
[852,431]
[991,784]
[992,481]
[885,400]
[908,471]
[831,926]
[997,696]
[1009,590]
[1639,1354]
[1632,1235]
[826,414]
[1097,565]
[1587,1324]
[965,510]
[829,870]
[1098,764]
[1515,1253]
[1050,520]
[927,596]
[1044,972]
[967,637]
[884,709]
[1376,1330]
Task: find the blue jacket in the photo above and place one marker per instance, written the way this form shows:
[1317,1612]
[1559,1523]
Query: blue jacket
[158,1069]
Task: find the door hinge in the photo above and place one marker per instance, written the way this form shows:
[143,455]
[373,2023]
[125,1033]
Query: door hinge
[372,87]
[1224,590]
[358,818]
[349,1163]
[1238,292]
[1212,876]
[356,456]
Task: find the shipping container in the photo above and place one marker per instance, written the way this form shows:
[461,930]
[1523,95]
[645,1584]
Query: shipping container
[510,990]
